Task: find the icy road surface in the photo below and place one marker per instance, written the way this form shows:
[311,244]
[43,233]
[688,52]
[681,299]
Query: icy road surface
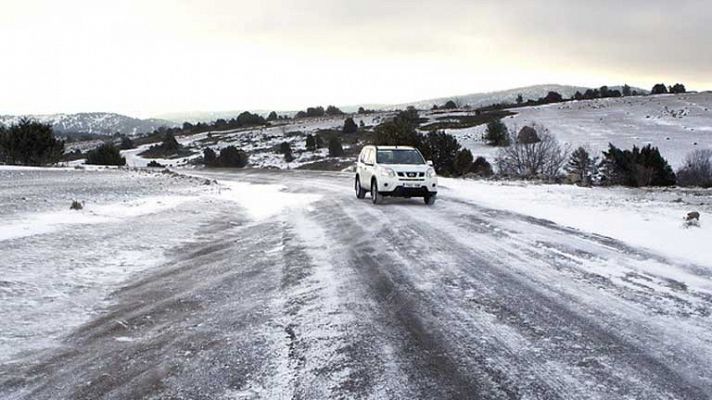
[296,290]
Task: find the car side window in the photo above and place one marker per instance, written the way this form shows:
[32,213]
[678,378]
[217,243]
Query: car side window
[369,157]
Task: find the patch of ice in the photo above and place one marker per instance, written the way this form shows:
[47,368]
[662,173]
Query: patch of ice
[263,201]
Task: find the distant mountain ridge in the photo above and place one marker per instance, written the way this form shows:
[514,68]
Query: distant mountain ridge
[109,123]
[476,100]
[98,123]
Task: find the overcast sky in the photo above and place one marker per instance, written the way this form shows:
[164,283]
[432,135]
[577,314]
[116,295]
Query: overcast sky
[147,57]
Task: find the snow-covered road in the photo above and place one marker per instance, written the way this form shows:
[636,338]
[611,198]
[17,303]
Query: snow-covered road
[296,290]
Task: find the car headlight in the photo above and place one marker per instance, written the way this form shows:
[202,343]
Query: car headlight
[430,172]
[385,171]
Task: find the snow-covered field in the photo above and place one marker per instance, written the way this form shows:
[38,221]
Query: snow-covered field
[677,124]
[58,265]
[647,218]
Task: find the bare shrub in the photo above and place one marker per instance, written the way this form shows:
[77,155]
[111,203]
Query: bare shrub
[543,159]
[697,170]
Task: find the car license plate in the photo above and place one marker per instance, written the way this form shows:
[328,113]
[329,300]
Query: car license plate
[411,185]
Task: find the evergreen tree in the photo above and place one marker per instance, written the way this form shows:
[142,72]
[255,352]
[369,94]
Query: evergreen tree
[553,97]
[482,167]
[335,149]
[637,167]
[209,157]
[272,116]
[520,99]
[497,134]
[441,148]
[311,143]
[30,143]
[350,126]
[450,105]
[660,88]
[333,110]
[232,157]
[626,90]
[463,162]
[126,143]
[286,149]
[106,154]
[319,141]
[581,166]
[678,88]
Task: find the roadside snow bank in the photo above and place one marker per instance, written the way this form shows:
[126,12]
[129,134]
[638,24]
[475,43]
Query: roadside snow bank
[640,218]
[46,222]
[263,201]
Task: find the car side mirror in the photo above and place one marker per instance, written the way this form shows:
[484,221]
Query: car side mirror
[429,162]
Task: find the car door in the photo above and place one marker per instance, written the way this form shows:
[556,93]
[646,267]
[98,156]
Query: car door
[367,170]
[361,166]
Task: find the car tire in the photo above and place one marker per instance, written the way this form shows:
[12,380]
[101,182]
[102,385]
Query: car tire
[429,199]
[376,197]
[360,192]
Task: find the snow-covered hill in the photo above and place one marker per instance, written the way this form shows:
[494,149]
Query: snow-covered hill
[93,123]
[677,124]
[476,100]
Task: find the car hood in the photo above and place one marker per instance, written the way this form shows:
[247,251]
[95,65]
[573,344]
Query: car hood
[407,167]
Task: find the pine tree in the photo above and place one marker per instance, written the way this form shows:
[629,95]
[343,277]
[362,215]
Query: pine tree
[463,162]
[350,126]
[582,167]
[335,149]
[311,143]
[497,134]
[626,90]
[209,157]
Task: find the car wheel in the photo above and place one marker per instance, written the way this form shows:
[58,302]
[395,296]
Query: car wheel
[375,196]
[360,192]
[429,199]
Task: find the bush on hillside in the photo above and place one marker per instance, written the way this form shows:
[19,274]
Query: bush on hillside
[441,148]
[350,126]
[126,143]
[697,170]
[310,143]
[29,143]
[335,148]
[637,167]
[106,154]
[333,110]
[482,167]
[155,164]
[450,105]
[527,135]
[678,88]
[286,149]
[463,162]
[232,157]
[660,88]
[209,157]
[496,134]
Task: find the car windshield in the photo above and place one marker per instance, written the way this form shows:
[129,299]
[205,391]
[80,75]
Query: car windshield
[406,156]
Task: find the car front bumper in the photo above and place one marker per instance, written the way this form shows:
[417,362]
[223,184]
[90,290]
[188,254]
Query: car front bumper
[399,187]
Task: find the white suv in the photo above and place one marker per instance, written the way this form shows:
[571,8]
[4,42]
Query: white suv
[398,171]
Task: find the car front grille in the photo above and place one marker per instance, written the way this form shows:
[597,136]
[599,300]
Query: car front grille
[411,174]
